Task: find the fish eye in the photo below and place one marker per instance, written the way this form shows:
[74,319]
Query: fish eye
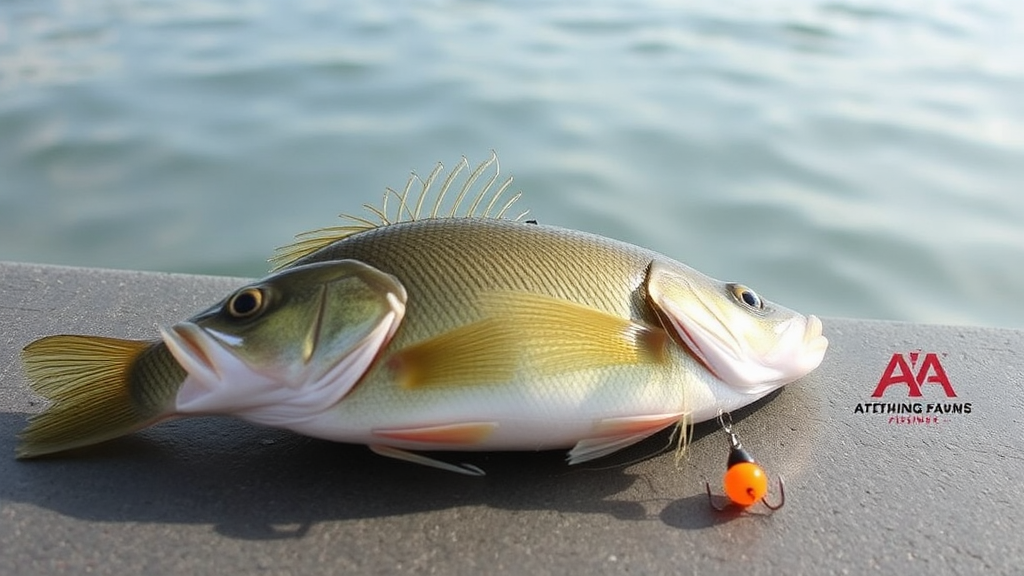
[747,296]
[245,303]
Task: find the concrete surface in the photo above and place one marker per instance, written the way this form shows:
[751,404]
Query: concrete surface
[865,491]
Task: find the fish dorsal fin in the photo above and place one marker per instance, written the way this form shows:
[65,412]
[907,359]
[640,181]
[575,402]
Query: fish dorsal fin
[412,206]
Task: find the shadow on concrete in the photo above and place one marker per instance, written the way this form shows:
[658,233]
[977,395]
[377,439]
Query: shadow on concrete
[258,483]
[254,483]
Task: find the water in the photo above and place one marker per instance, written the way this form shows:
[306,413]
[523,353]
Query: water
[856,159]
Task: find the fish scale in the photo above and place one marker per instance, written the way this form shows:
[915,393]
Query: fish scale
[463,256]
[457,259]
[458,333]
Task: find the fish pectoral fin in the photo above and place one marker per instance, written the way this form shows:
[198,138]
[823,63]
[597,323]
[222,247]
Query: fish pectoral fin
[399,454]
[563,336]
[614,434]
[544,334]
[477,353]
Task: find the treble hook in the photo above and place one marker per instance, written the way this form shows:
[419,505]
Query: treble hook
[745,482]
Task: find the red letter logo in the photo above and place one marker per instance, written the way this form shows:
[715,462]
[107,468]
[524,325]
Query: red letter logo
[900,372]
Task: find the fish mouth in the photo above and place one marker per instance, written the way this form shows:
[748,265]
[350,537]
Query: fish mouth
[192,348]
[205,357]
[813,337]
[814,342]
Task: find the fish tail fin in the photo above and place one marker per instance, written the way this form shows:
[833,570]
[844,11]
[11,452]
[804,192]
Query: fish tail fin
[88,380]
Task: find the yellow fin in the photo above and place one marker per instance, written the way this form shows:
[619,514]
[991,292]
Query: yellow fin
[409,210]
[86,378]
[562,336]
[441,435]
[476,353]
[529,332]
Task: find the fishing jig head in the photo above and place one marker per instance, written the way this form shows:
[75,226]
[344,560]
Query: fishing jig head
[745,482]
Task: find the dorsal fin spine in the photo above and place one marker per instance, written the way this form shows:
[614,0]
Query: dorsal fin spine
[444,188]
[382,212]
[469,184]
[414,215]
[309,242]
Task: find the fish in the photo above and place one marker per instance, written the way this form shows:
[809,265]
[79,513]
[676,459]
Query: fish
[427,326]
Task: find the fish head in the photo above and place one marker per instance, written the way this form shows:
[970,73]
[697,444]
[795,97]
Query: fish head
[289,345]
[751,345]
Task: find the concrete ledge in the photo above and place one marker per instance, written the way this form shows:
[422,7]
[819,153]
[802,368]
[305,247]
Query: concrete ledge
[867,490]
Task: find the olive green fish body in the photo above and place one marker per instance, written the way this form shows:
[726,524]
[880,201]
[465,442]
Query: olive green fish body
[456,272]
[445,264]
[440,333]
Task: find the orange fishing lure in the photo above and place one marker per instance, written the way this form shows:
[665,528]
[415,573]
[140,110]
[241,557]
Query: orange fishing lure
[745,482]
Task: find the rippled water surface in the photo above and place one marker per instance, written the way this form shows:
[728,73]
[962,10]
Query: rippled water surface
[845,158]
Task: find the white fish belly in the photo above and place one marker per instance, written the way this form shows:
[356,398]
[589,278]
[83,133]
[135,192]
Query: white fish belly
[549,413]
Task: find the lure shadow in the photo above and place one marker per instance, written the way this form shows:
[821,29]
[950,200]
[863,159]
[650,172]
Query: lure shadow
[695,513]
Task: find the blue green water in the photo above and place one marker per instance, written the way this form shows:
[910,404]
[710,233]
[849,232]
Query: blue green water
[846,158]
